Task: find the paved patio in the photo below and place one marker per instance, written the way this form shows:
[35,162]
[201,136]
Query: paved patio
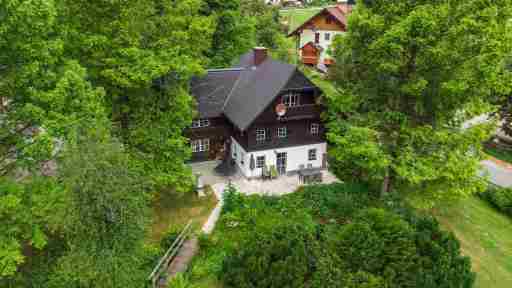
[282,185]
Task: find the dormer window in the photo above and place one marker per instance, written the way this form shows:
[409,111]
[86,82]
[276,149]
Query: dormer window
[291,99]
[200,123]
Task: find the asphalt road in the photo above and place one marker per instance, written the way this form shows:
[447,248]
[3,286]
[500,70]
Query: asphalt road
[498,174]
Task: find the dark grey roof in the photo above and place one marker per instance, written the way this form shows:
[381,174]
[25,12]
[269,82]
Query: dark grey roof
[244,91]
[211,90]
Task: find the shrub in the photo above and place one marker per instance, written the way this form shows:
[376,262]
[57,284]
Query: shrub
[338,200]
[275,256]
[232,199]
[440,256]
[500,198]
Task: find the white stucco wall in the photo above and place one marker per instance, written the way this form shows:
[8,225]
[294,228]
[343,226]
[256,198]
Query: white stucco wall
[296,156]
[308,35]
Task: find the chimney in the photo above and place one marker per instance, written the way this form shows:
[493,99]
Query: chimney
[260,55]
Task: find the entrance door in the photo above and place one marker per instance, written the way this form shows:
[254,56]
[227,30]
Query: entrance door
[281,163]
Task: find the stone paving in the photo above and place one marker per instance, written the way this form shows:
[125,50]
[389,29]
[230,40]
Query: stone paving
[283,184]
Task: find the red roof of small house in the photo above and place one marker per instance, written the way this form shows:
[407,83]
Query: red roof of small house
[338,12]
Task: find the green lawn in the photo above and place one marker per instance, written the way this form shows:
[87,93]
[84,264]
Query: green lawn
[172,209]
[485,236]
[296,17]
[499,154]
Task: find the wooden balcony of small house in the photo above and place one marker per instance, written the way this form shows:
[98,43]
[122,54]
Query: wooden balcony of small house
[310,60]
[299,112]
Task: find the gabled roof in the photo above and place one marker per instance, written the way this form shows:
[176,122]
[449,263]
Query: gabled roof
[243,92]
[255,89]
[212,90]
[338,12]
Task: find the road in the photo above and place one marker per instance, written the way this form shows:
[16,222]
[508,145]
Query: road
[499,172]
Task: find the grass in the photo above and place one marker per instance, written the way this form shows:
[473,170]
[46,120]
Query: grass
[485,236]
[171,209]
[296,17]
[499,154]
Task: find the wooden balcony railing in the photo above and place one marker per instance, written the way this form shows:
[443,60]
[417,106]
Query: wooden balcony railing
[303,111]
[313,60]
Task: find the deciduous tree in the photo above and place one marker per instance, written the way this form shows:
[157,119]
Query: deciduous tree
[411,68]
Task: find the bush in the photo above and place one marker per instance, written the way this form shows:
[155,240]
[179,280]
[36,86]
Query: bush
[278,256]
[500,198]
[232,199]
[338,200]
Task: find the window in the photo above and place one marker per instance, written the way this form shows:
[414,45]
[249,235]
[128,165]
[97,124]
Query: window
[314,129]
[317,37]
[291,99]
[260,135]
[260,161]
[311,154]
[281,132]
[198,123]
[200,145]
[327,36]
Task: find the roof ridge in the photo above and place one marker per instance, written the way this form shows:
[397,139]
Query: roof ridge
[232,89]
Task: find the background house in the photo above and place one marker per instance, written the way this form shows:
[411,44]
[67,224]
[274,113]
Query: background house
[316,34]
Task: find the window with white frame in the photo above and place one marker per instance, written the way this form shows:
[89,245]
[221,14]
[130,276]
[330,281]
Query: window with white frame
[199,123]
[314,128]
[291,99]
[282,132]
[311,154]
[200,145]
[327,36]
[260,135]
[260,161]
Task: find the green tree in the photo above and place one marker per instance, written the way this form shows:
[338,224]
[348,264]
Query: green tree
[44,94]
[105,217]
[410,68]
[234,33]
[143,54]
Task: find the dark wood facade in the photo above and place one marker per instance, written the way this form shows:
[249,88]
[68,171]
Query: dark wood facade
[297,120]
[218,133]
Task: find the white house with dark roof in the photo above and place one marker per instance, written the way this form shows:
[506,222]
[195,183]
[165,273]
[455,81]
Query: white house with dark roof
[257,116]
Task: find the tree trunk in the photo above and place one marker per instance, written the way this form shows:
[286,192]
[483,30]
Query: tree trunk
[386,184]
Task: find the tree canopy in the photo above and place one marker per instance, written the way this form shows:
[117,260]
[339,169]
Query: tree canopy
[411,69]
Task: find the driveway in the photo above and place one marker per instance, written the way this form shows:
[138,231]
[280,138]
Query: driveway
[499,172]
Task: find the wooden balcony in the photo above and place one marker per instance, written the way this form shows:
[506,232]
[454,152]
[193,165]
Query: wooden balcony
[307,111]
[311,60]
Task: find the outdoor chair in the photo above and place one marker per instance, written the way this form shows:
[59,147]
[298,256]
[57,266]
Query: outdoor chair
[265,172]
